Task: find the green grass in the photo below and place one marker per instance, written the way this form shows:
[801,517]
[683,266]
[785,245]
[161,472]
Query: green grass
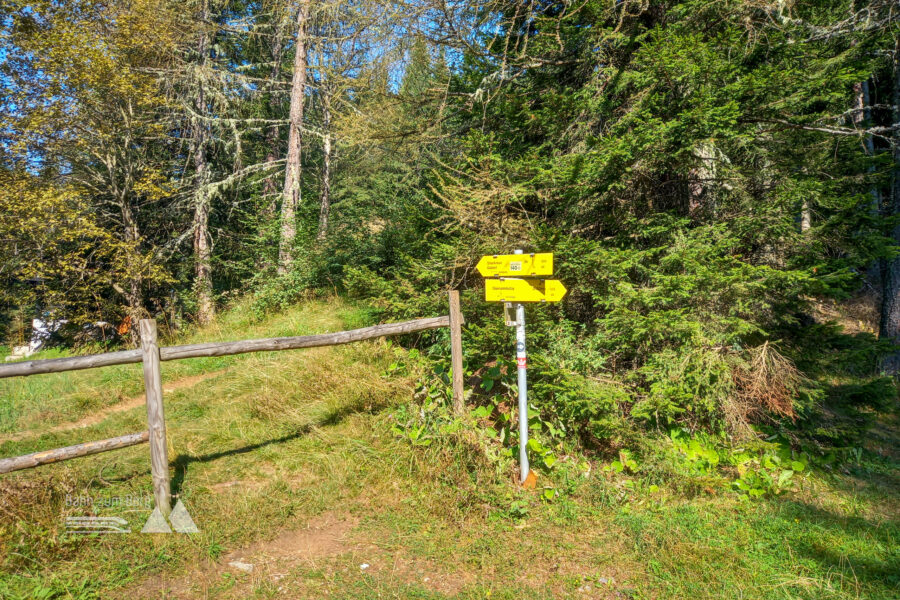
[32,402]
[273,449]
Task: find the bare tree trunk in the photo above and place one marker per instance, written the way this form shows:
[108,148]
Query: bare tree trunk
[701,181]
[805,216]
[862,118]
[133,295]
[291,194]
[203,285]
[325,200]
[890,275]
[206,307]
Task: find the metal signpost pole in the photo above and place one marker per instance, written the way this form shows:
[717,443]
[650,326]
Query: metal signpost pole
[514,279]
[522,367]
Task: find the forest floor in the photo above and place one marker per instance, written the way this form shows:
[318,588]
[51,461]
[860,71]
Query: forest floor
[289,467]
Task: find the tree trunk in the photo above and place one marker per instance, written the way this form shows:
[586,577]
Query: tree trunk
[203,285]
[203,254]
[701,181]
[862,118]
[890,276]
[291,193]
[325,200]
[133,295]
[805,216]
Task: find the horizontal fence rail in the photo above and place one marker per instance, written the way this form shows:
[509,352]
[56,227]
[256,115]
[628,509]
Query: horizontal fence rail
[303,341]
[92,361]
[150,354]
[44,457]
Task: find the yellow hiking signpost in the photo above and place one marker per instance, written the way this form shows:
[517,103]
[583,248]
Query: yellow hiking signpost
[516,265]
[515,279]
[507,289]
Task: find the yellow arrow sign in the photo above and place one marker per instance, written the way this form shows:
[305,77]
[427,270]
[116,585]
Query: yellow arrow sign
[516,265]
[523,290]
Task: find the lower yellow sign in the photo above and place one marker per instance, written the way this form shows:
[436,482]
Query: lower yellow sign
[508,289]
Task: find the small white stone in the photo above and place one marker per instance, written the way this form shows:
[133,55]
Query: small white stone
[364,566]
[241,566]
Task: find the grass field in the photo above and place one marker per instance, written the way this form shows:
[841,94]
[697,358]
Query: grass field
[287,463]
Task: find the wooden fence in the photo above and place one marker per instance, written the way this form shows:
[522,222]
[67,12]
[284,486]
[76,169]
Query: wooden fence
[151,355]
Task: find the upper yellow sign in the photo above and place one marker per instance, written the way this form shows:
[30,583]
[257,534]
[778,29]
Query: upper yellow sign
[516,265]
[523,290]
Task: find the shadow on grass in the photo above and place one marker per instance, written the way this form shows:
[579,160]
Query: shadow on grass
[851,428]
[856,438]
[868,549]
[362,405]
[775,548]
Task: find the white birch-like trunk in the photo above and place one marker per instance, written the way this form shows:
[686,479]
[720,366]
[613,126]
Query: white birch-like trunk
[203,285]
[805,216]
[325,199]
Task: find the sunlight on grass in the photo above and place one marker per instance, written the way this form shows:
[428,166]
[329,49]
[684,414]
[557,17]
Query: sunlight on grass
[33,402]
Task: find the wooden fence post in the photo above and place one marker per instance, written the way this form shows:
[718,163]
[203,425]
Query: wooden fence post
[156,420]
[456,359]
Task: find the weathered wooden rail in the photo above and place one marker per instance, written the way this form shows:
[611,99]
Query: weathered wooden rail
[151,355]
[166,353]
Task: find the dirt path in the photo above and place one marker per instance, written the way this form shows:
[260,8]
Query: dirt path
[103,414]
[273,565]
